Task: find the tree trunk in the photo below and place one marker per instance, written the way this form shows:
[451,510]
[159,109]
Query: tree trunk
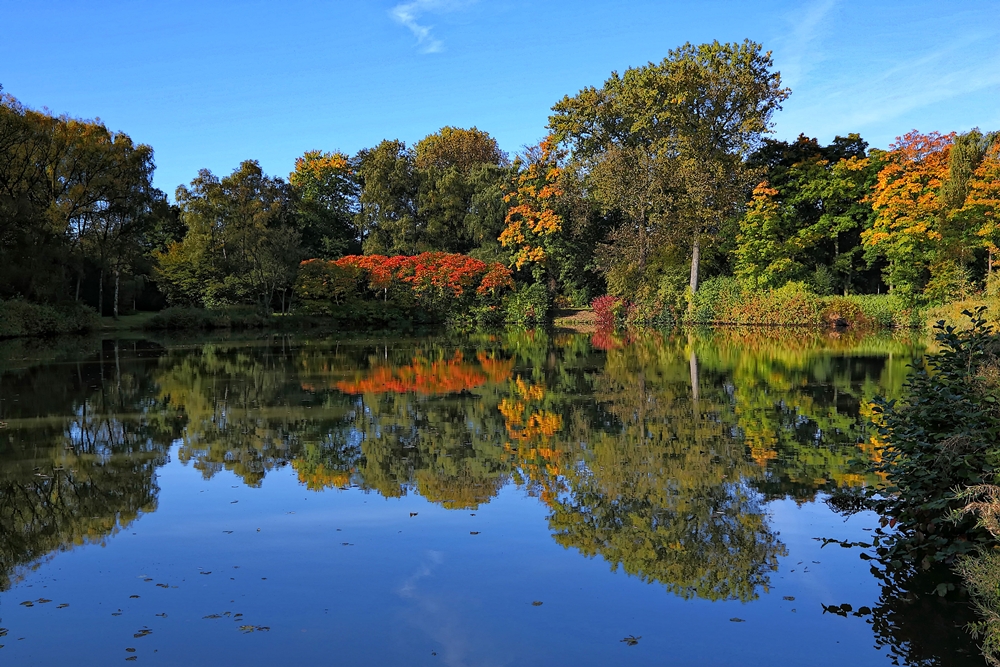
[695,261]
[695,379]
[118,274]
[642,242]
[100,295]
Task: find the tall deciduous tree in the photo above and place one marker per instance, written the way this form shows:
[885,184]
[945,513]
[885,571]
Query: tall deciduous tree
[909,208]
[532,217]
[241,245]
[325,186]
[459,202]
[387,220]
[703,109]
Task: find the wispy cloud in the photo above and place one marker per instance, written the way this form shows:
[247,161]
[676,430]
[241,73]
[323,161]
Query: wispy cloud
[799,48]
[410,15]
[874,76]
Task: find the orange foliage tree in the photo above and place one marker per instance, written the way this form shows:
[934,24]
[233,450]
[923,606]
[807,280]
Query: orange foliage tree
[532,217]
[983,201]
[909,208]
[435,282]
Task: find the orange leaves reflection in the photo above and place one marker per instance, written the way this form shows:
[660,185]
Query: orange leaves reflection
[422,376]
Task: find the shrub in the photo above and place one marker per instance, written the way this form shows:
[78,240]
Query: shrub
[875,309]
[181,318]
[376,290]
[942,437]
[714,300]
[191,319]
[604,308]
[723,301]
[21,318]
[530,305]
[793,304]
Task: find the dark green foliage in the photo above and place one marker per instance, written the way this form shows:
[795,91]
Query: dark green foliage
[942,437]
[21,318]
[234,317]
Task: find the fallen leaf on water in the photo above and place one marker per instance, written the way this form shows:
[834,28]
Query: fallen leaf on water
[27,603]
[736,619]
[788,597]
[414,513]
[133,597]
[143,633]
[473,532]
[631,640]
[163,585]
[3,632]
[163,615]
[536,603]
[247,629]
[130,650]
[116,613]
[213,616]
[131,658]
[263,628]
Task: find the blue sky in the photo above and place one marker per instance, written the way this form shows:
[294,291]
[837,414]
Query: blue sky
[209,83]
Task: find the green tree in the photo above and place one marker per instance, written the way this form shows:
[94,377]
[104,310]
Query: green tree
[804,220]
[325,189]
[241,245]
[387,219]
[703,108]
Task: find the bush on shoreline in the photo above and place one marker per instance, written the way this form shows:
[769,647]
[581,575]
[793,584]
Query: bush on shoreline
[179,318]
[22,318]
[724,301]
[940,438]
[433,287]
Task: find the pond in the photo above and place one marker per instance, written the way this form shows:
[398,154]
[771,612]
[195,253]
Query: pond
[524,498]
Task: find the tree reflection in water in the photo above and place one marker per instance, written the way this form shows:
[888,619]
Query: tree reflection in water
[657,452]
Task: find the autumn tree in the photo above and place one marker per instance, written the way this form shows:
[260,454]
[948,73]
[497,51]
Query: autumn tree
[909,210]
[982,202]
[532,218]
[971,193]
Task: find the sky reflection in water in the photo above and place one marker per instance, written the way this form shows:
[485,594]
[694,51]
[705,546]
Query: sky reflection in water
[375,502]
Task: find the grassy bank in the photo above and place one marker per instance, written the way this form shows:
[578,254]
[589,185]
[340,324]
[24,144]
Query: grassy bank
[723,301]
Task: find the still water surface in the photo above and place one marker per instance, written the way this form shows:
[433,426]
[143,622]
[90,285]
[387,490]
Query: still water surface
[518,499]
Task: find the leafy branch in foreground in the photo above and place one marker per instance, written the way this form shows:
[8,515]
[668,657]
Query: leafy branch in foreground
[943,437]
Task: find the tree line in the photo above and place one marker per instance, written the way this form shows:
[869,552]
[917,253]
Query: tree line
[643,188]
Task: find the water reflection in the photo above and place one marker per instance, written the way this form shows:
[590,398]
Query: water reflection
[78,452]
[655,452]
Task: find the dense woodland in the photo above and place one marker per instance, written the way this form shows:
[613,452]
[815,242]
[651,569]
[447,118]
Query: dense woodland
[658,183]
